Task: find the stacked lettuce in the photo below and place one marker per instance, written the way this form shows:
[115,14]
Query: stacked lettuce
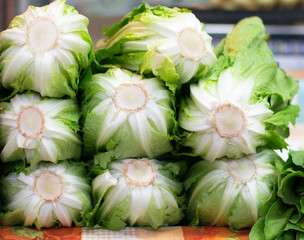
[43,55]
[157,99]
[232,117]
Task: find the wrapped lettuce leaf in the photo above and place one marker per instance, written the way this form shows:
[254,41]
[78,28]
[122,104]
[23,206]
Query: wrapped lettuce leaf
[230,192]
[44,50]
[126,115]
[142,192]
[36,129]
[170,43]
[52,195]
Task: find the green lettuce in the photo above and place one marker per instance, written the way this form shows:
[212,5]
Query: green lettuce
[230,192]
[46,49]
[243,104]
[34,129]
[140,192]
[126,115]
[165,42]
[282,215]
[51,195]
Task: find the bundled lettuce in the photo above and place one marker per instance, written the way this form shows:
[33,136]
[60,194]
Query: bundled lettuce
[39,129]
[170,43]
[126,115]
[52,195]
[44,50]
[142,192]
[230,191]
[243,102]
[282,217]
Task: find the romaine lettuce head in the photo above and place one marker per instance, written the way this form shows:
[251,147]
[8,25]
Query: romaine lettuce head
[170,43]
[230,191]
[52,195]
[142,192]
[243,102]
[44,50]
[36,129]
[127,115]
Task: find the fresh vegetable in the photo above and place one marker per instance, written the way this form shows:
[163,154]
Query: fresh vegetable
[52,195]
[126,115]
[243,102]
[230,191]
[39,129]
[282,216]
[140,192]
[44,50]
[170,43]
[223,118]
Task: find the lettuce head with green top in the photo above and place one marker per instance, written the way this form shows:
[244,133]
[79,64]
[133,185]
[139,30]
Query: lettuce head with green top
[45,50]
[243,104]
[170,43]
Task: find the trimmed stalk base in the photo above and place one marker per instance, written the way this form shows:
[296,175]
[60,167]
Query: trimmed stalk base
[42,35]
[139,172]
[130,97]
[31,122]
[191,44]
[229,121]
[48,186]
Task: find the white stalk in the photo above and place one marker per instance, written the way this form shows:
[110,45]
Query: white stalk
[229,120]
[31,122]
[139,172]
[42,35]
[191,43]
[48,186]
[130,97]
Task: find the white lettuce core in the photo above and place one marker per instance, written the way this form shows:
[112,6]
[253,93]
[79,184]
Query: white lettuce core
[48,186]
[229,120]
[130,97]
[31,122]
[139,172]
[42,34]
[191,44]
[242,170]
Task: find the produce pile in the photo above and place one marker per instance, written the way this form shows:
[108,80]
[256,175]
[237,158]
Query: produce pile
[154,127]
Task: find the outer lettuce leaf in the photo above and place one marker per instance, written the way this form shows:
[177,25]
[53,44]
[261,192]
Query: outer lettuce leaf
[282,216]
